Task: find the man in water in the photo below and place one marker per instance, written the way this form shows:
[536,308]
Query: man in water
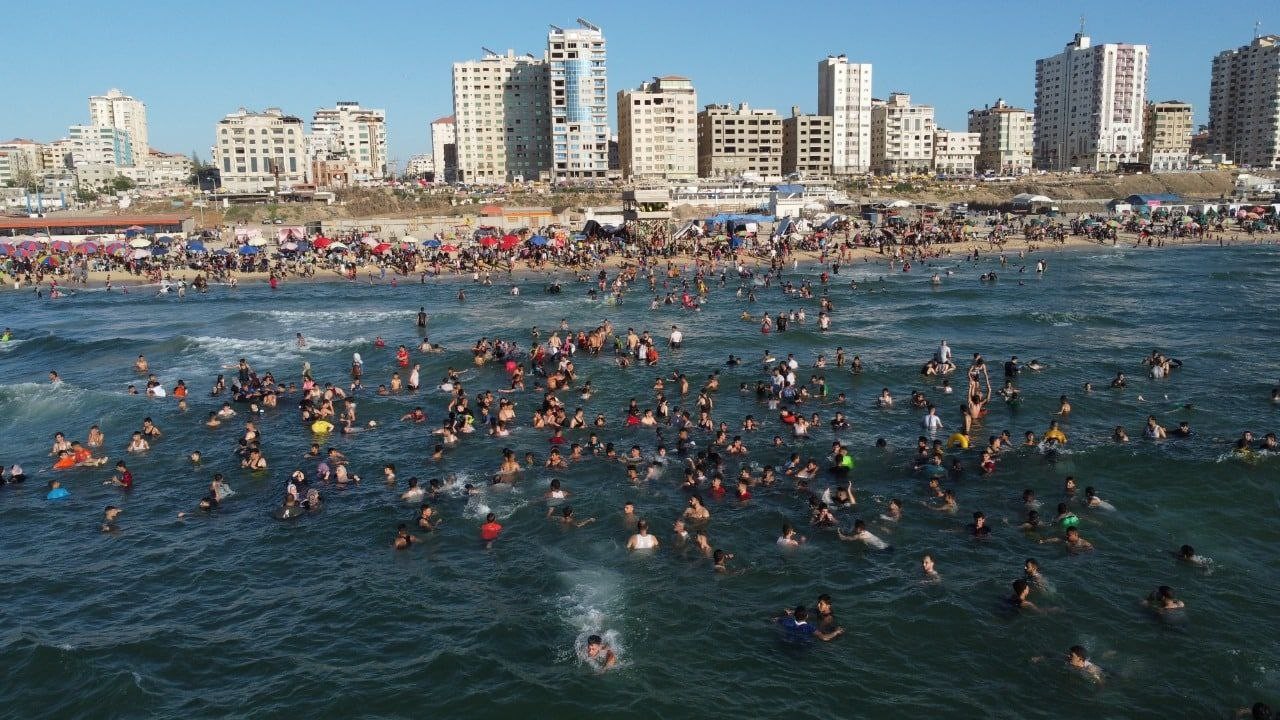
[600,654]
[109,519]
[798,630]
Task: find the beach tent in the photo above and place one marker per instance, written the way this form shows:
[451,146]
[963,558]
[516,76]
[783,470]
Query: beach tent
[139,243]
[195,246]
[538,240]
[248,250]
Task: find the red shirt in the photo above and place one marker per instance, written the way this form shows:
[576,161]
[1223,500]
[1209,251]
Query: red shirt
[744,494]
[718,490]
[126,479]
[490,531]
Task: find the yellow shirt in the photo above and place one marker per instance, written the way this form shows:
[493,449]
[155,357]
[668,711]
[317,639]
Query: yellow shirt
[1055,435]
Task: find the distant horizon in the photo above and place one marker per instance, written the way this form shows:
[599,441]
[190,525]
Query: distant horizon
[397,59]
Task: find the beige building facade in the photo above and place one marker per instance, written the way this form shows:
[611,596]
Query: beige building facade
[658,129]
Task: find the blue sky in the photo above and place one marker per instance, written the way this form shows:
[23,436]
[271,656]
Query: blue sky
[193,62]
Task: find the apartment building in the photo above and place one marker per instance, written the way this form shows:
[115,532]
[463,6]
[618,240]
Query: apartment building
[100,145]
[501,110]
[844,95]
[658,130]
[1244,103]
[351,135]
[579,102]
[901,136]
[444,149]
[1166,146]
[733,141]
[954,152]
[260,151]
[20,163]
[1090,101]
[120,111]
[1006,138]
[807,142]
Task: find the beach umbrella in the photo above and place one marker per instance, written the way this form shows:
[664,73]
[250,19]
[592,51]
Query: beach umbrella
[222,253]
[303,245]
[60,246]
[140,253]
[87,248]
[248,250]
[489,241]
[195,246]
[433,243]
[448,248]
[164,239]
[29,245]
[368,241]
[289,247]
[322,242]
[509,242]
[157,250]
[256,241]
[140,243]
[136,228]
[381,248]
[337,246]
[407,245]
[538,240]
[50,261]
[409,239]
[7,249]
[113,248]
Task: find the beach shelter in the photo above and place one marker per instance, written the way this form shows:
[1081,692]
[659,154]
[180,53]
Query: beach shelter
[248,250]
[139,243]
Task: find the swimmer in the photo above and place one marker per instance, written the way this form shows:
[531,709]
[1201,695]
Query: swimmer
[642,540]
[928,568]
[109,517]
[797,629]
[600,654]
[1162,599]
[1092,500]
[1187,554]
[403,538]
[861,534]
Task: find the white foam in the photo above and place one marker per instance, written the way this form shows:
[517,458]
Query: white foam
[593,598]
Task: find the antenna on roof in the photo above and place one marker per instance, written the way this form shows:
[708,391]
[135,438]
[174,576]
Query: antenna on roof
[1082,25]
[587,25]
[487,51]
[557,28]
[1257,29]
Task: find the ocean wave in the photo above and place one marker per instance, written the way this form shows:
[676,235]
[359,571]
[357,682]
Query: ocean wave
[335,317]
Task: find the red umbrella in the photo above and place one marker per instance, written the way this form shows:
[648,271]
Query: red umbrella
[489,241]
[381,248]
[449,248]
[509,242]
[322,242]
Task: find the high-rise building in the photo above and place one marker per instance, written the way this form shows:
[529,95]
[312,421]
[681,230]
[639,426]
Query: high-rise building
[444,149]
[260,151]
[353,136]
[901,136]
[1089,105]
[1006,138]
[1244,103]
[100,145]
[117,110]
[1167,145]
[658,130]
[736,141]
[806,145]
[844,94]
[502,118]
[579,98]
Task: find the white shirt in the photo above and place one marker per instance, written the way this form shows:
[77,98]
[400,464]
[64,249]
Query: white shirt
[932,422]
[676,336]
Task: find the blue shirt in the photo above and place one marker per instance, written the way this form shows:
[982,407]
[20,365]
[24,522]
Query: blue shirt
[57,494]
[797,630]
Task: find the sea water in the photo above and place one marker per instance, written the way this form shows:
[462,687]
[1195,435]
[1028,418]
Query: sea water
[236,614]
